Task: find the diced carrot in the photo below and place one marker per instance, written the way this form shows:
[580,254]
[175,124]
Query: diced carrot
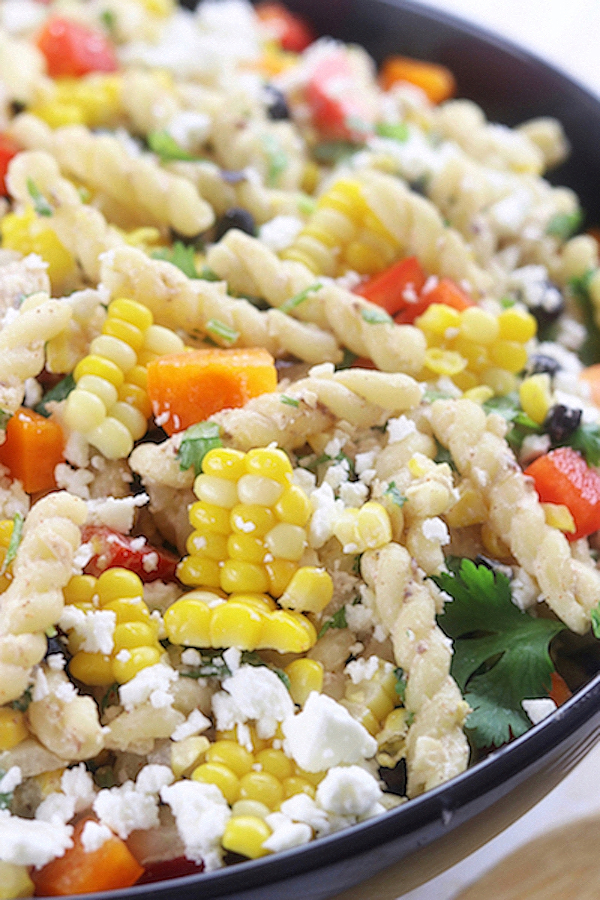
[185,388]
[335,100]
[444,291]
[289,30]
[563,476]
[33,448]
[8,149]
[398,288]
[435,80]
[72,49]
[560,691]
[591,376]
[109,867]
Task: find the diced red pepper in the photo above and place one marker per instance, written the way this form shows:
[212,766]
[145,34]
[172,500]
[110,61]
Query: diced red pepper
[291,31]
[560,691]
[444,291]
[398,288]
[8,149]
[338,109]
[169,868]
[111,548]
[563,476]
[72,49]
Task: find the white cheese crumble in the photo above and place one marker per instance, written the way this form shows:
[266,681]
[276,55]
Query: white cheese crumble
[123,809]
[94,628]
[152,778]
[524,590]
[11,780]
[152,683]
[286,834]
[115,512]
[30,842]
[400,428]
[364,669]
[350,791]
[94,836]
[302,808]
[252,693]
[435,529]
[326,511]
[56,662]
[194,724]
[538,709]
[191,657]
[324,734]
[201,814]
[189,129]
[280,232]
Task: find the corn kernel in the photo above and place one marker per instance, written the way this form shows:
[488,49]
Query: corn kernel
[207,543]
[133,634]
[117,583]
[13,728]
[84,411]
[444,362]
[286,541]
[295,784]
[80,589]
[500,380]
[111,438]
[438,318]
[262,603]
[223,462]
[124,331]
[207,517]
[103,368]
[535,397]
[280,572]
[198,571]
[269,462]
[135,396]
[478,325]
[15,881]
[275,762]
[250,808]
[235,625]
[254,520]
[510,355]
[310,590]
[131,311]
[373,526]
[293,506]
[138,658]
[115,350]
[261,786]
[232,755]
[216,491]
[162,341]
[255,489]
[517,325]
[132,419]
[92,668]
[246,835]
[287,632]
[246,547]
[94,384]
[559,516]
[480,394]
[188,622]
[129,609]
[306,676]
[224,778]
[188,754]
[346,530]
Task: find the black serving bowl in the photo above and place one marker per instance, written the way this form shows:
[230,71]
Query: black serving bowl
[436,830]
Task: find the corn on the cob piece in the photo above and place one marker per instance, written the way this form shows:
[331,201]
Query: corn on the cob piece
[93,100]
[26,233]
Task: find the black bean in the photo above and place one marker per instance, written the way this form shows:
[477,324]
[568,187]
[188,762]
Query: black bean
[561,422]
[277,108]
[540,363]
[236,217]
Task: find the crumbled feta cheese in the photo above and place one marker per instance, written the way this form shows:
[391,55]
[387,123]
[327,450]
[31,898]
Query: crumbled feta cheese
[33,392]
[337,474]
[56,662]
[82,557]
[191,657]
[354,493]
[194,724]
[538,709]
[349,791]
[56,807]
[149,682]
[252,693]
[364,669]
[95,628]
[280,232]
[152,778]
[30,842]
[359,617]
[76,481]
[40,689]
[123,809]
[326,511]
[66,692]
[123,656]
[400,428]
[304,479]
[94,836]
[302,808]
[286,834]
[189,129]
[435,529]
[324,734]
[11,780]
[364,461]
[78,784]
[201,814]
[115,512]
[232,658]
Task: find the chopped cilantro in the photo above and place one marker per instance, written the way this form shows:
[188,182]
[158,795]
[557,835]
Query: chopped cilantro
[500,653]
[596,621]
[400,686]
[356,565]
[166,147]
[586,439]
[40,204]
[108,19]
[347,360]
[212,666]
[252,658]
[338,620]
[197,440]
[15,540]
[207,274]
[398,132]
[290,401]
[332,152]
[4,417]
[563,225]
[579,289]
[22,702]
[443,455]
[507,302]
[394,494]
[180,255]
[59,392]
[409,719]
[110,697]
[222,332]
[295,301]
[374,316]
[277,158]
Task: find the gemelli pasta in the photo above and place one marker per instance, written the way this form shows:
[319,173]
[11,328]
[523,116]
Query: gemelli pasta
[299,437]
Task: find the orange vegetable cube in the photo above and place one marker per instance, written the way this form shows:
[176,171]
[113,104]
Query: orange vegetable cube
[185,388]
[33,448]
[435,80]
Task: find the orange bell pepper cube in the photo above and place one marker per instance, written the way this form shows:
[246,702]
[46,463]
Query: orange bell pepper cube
[435,80]
[72,49]
[444,291]
[563,476]
[591,376]
[108,868]
[8,149]
[290,31]
[33,448]
[334,99]
[398,288]
[185,388]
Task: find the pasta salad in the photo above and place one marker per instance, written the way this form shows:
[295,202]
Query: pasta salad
[299,437]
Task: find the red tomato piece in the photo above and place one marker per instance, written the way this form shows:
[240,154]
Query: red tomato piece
[169,868]
[398,288]
[563,476]
[111,548]
[335,100]
[72,49]
[291,31]
[8,149]
[560,691]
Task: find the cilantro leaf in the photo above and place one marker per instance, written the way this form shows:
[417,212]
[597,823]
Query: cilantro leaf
[596,621]
[398,132]
[290,401]
[4,417]
[22,702]
[40,204]
[443,455]
[394,494]
[338,620]
[500,653]
[15,540]
[295,301]
[166,147]
[222,332]
[579,288]
[400,686]
[376,316]
[59,392]
[586,439]
[197,441]
[180,255]
[563,225]
[252,658]
[212,666]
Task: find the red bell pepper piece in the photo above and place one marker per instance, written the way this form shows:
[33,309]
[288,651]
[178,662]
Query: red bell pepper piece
[291,31]
[398,288]
[111,548]
[444,291]
[8,149]
[335,101]
[72,49]
[563,476]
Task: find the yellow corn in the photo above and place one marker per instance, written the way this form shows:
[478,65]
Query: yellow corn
[110,405]
[92,668]
[262,787]
[559,516]
[306,676]
[136,659]
[343,233]
[26,233]
[245,835]
[93,100]
[188,754]
[13,728]
[367,528]
[6,529]
[232,755]
[536,397]
[295,784]
[371,701]
[162,8]
[222,776]
[275,762]
[15,881]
